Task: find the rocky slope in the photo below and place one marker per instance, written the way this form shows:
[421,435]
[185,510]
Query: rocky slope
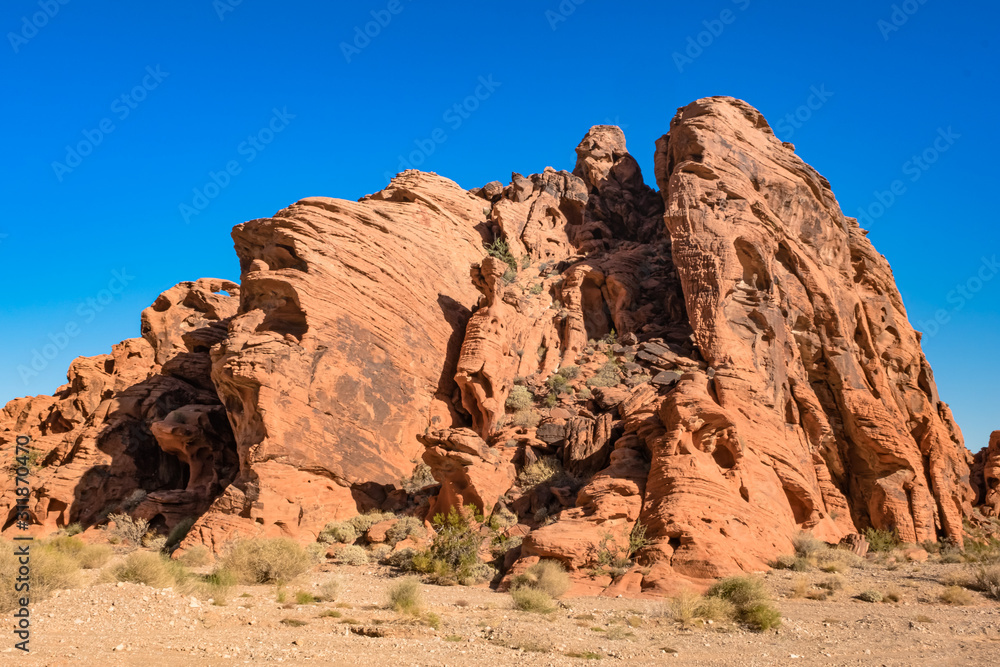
[699,372]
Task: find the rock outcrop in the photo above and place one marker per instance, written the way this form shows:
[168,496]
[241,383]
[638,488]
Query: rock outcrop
[679,380]
[986,477]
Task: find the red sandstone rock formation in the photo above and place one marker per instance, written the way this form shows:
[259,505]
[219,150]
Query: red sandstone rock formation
[683,378]
[985,477]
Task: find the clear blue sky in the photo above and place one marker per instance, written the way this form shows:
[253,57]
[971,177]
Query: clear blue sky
[210,76]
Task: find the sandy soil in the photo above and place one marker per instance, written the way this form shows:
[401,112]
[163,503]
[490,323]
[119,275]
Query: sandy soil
[128,624]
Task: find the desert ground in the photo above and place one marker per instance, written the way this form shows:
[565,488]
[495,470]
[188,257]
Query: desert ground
[132,624]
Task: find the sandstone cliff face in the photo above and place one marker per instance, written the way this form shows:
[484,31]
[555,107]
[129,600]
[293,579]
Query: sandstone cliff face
[683,378]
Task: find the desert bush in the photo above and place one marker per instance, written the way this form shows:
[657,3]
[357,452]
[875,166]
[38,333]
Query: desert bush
[807,545]
[419,480]
[304,597]
[405,527]
[219,584]
[539,472]
[340,531]
[688,606]
[499,249]
[402,559]
[760,616]
[986,578]
[329,590]
[984,551]
[154,542]
[405,597]
[533,600]
[73,529]
[362,522]
[265,561]
[585,394]
[800,587]
[783,562]
[352,555]
[380,552]
[146,567]
[526,418]
[548,576]
[196,556]
[87,556]
[536,288]
[128,529]
[453,556]
[751,601]
[520,398]
[51,570]
[834,583]
[180,531]
[607,376]
[956,595]
[558,384]
[870,595]
[882,540]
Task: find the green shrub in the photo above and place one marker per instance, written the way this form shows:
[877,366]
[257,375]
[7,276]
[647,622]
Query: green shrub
[304,597]
[453,556]
[548,576]
[342,532]
[151,569]
[870,596]
[180,531]
[352,555]
[265,561]
[533,600]
[760,616]
[406,597]
[551,400]
[882,540]
[219,584]
[536,288]
[558,384]
[607,376]
[569,372]
[402,559]
[750,598]
[73,529]
[501,250]
[405,527]
[520,398]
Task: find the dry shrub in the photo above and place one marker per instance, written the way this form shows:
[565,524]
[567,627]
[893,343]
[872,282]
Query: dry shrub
[806,545]
[87,556]
[405,527]
[533,600]
[800,587]
[128,529]
[548,576]
[539,472]
[352,555]
[520,398]
[145,567]
[196,556]
[406,597]
[751,600]
[51,570]
[329,590]
[266,561]
[987,579]
[956,595]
